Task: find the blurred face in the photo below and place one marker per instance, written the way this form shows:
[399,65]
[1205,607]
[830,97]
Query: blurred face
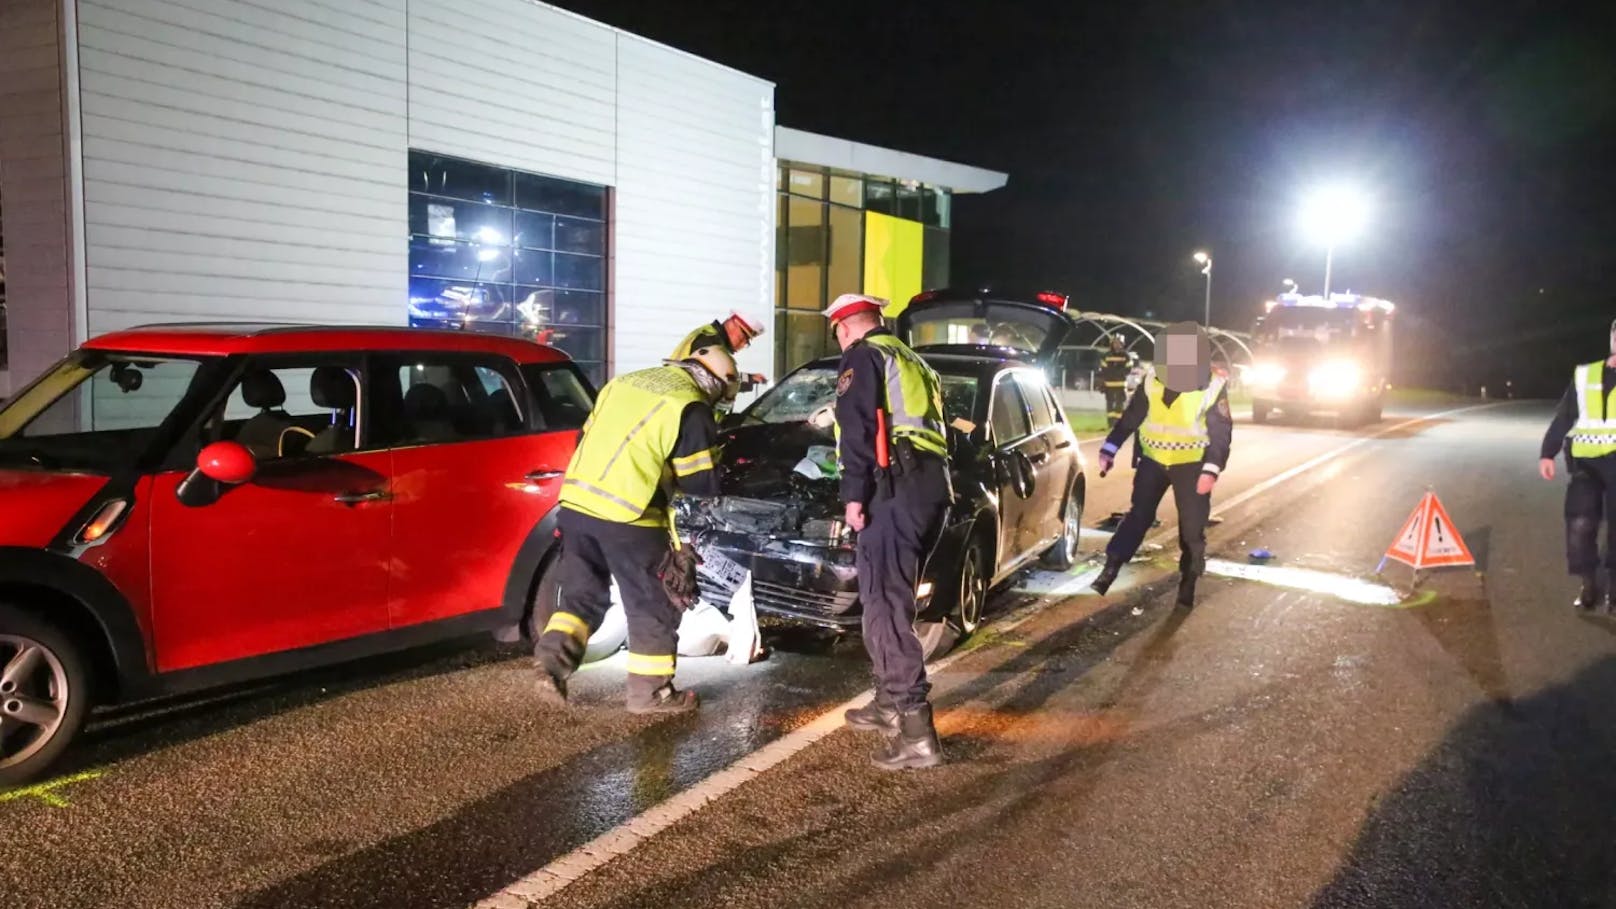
[1184,358]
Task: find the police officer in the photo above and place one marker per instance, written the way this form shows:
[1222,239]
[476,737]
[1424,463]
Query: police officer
[1586,418]
[734,334]
[1184,433]
[893,451]
[650,430]
[1114,369]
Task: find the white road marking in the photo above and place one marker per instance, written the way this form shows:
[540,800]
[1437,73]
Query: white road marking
[623,838]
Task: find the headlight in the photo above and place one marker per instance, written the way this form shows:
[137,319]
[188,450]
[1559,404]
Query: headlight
[1267,374]
[1335,380]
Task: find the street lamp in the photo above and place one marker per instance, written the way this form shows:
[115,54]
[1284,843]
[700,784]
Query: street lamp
[1205,258]
[1332,215]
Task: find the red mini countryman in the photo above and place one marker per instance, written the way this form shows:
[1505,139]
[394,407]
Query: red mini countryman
[189,505]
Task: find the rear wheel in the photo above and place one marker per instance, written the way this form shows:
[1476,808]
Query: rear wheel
[970,598]
[1063,555]
[607,639]
[44,694]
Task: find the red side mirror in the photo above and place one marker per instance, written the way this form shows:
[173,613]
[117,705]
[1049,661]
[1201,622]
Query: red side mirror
[229,463]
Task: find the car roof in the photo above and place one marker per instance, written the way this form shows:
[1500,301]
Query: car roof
[229,338]
[964,360]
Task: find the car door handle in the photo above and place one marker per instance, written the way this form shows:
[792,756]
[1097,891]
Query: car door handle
[1065,444]
[1039,458]
[539,476]
[356,497]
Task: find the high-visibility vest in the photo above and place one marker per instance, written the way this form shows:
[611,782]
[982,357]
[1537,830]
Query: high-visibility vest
[687,345]
[914,397]
[1594,433]
[1176,433]
[623,456]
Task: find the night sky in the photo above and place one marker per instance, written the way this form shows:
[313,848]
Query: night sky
[1136,133]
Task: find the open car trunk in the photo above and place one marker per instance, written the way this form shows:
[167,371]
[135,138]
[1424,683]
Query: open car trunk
[959,324]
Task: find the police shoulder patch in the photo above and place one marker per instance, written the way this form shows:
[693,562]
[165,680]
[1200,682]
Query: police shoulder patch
[844,382]
[1223,407]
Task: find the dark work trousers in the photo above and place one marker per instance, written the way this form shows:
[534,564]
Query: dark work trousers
[1116,398]
[1150,482]
[1590,496]
[593,552]
[899,534]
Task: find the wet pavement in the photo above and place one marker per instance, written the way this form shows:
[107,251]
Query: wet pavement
[1276,746]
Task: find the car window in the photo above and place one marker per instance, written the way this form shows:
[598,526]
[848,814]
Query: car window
[1036,392]
[562,397]
[293,407]
[1009,413]
[453,398]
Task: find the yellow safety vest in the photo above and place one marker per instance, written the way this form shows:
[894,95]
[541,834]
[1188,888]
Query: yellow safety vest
[687,345]
[623,457]
[914,397]
[1594,433]
[1176,433]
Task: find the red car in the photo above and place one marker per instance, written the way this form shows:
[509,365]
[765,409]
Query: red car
[189,505]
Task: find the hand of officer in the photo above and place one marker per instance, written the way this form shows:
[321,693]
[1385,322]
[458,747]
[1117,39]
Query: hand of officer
[1105,463]
[1204,485]
[854,515]
[1546,468]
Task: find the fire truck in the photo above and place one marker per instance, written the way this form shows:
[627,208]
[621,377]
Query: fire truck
[1321,355]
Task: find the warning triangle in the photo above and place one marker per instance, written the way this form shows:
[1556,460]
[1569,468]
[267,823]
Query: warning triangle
[1429,539]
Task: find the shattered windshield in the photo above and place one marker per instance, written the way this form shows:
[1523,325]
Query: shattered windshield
[806,391]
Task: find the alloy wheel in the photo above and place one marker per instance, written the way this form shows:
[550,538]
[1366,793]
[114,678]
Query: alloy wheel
[34,695]
[972,590]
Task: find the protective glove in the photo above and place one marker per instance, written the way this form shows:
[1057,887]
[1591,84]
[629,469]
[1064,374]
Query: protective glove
[678,575]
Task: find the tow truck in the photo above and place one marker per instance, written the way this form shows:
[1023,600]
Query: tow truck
[1314,354]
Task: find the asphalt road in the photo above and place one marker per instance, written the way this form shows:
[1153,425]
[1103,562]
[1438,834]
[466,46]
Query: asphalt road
[1279,745]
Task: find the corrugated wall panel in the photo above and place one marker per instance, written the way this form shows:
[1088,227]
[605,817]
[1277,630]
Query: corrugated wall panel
[244,160]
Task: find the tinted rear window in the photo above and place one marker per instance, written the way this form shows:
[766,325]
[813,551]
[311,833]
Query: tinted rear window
[562,397]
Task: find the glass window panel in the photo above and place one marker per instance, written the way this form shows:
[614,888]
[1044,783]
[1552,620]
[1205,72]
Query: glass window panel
[579,343]
[908,202]
[934,259]
[881,196]
[545,307]
[846,273]
[1035,391]
[535,230]
[580,236]
[533,266]
[1009,415]
[471,261]
[803,337]
[847,191]
[807,183]
[457,220]
[805,255]
[936,202]
[459,179]
[434,300]
[563,197]
[562,398]
[580,272]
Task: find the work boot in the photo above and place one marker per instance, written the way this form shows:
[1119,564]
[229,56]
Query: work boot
[666,699]
[1186,591]
[876,716]
[1107,576]
[551,689]
[1590,597]
[913,746]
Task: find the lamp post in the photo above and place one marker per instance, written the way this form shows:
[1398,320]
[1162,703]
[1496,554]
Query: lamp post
[1332,215]
[1205,259]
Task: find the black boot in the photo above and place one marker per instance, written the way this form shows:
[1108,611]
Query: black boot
[1590,597]
[914,745]
[1186,591]
[876,716]
[1106,577]
[666,699]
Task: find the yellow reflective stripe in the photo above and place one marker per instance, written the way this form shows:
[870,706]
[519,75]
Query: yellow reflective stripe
[596,491]
[696,463]
[630,437]
[569,625]
[647,664]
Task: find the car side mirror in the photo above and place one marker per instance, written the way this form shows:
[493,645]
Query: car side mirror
[229,463]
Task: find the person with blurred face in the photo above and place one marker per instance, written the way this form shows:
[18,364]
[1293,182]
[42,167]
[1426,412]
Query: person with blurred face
[1584,427]
[1181,413]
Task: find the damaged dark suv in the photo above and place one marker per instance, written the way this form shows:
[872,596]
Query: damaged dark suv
[1017,472]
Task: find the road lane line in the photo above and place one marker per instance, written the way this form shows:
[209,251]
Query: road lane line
[625,837]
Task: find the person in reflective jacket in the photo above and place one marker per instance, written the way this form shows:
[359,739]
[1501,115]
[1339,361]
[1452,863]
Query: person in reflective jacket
[1584,427]
[1181,413]
[734,334]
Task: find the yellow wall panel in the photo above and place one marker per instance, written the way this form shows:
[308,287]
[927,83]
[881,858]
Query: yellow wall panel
[892,259]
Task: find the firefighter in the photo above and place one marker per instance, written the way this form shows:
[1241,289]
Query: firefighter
[893,451]
[1184,430]
[1584,419]
[1114,369]
[651,431]
[734,334]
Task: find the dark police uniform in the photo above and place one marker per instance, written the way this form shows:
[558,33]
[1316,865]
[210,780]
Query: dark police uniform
[650,429]
[1204,430]
[904,503]
[1114,367]
[1590,450]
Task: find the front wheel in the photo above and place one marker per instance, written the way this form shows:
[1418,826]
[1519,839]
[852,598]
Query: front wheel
[44,695]
[970,599]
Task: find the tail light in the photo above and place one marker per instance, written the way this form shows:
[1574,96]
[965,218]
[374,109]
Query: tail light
[1050,298]
[925,296]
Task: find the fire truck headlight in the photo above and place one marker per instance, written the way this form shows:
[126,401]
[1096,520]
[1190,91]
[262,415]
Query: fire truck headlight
[1336,380]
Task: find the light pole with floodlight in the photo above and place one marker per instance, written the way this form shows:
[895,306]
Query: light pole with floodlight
[1332,215]
[1204,258]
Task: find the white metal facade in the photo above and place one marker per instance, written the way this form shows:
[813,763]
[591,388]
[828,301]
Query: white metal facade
[247,159]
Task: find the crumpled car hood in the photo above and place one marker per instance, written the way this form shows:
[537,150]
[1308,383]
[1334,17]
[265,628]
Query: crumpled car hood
[763,494]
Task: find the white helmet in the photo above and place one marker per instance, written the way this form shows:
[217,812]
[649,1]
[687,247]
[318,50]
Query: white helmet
[715,371]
